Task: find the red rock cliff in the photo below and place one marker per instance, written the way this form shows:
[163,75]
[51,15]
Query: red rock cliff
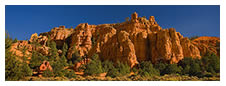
[133,41]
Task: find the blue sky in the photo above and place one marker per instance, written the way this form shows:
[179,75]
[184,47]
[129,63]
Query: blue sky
[189,20]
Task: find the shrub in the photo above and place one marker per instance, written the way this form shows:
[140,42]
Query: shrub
[70,74]
[186,61]
[134,69]
[58,68]
[36,59]
[64,49]
[107,65]
[53,51]
[160,67]
[47,73]
[123,69]
[172,69]
[195,69]
[113,73]
[75,57]
[63,58]
[13,68]
[186,70]
[15,40]
[147,69]
[94,67]
[211,63]
[26,70]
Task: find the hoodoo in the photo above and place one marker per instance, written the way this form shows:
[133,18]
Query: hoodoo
[133,41]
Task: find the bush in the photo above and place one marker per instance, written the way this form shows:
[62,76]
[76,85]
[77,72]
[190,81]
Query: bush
[147,69]
[113,73]
[186,70]
[160,67]
[53,51]
[107,65]
[195,69]
[47,73]
[120,69]
[191,66]
[58,68]
[172,69]
[75,57]
[123,69]
[211,63]
[94,67]
[70,74]
[36,59]
[14,68]
[134,69]
[186,61]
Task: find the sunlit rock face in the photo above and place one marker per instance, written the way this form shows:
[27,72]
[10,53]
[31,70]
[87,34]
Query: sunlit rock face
[133,41]
[207,45]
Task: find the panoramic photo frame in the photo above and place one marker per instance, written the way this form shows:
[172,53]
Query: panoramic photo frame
[131,18]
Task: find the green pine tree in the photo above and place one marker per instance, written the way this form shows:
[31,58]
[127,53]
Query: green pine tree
[54,56]
[147,69]
[15,69]
[94,67]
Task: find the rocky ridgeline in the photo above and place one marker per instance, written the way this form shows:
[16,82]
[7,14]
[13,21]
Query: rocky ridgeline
[138,39]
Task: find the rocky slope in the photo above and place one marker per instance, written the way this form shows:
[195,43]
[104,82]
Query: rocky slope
[132,41]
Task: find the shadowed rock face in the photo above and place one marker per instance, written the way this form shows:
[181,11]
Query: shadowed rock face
[133,41]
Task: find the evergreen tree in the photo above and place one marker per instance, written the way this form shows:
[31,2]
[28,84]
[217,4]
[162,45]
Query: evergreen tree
[211,63]
[70,74]
[8,42]
[113,72]
[147,69]
[172,69]
[75,56]
[194,69]
[58,69]
[53,51]
[48,73]
[94,67]
[48,41]
[14,69]
[123,69]
[15,40]
[160,67]
[36,59]
[64,49]
[63,58]
[186,69]
[107,65]
[25,69]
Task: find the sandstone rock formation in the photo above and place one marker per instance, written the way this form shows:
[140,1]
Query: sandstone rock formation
[133,41]
[16,49]
[45,66]
[208,45]
[165,45]
[189,49]
[81,40]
